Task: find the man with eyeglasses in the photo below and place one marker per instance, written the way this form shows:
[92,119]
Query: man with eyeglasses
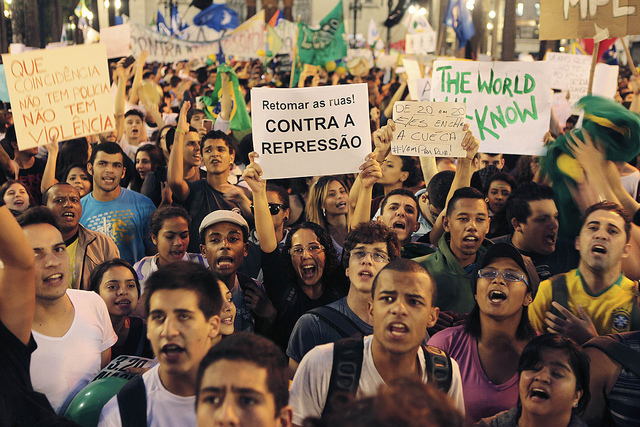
[224,243]
[367,248]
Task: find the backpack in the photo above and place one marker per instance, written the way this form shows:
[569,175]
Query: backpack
[560,294]
[623,354]
[338,321]
[132,403]
[348,356]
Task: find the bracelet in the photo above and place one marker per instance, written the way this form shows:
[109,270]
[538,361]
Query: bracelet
[179,130]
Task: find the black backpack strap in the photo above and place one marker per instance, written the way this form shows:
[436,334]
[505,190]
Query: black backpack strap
[635,311]
[345,372]
[623,354]
[338,321]
[132,403]
[559,293]
[438,367]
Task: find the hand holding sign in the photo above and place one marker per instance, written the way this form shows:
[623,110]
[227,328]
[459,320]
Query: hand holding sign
[470,143]
[370,171]
[252,174]
[382,140]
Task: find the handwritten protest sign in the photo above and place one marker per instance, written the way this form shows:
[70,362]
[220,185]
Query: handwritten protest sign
[420,43]
[428,129]
[508,103]
[117,39]
[424,89]
[245,41]
[570,73]
[63,93]
[565,19]
[310,131]
[165,48]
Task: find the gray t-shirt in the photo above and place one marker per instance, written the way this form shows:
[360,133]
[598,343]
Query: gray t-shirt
[311,331]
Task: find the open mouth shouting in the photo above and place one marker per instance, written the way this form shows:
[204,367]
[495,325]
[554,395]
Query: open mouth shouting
[172,352]
[224,262]
[176,254]
[53,279]
[497,297]
[539,395]
[470,241]
[599,249]
[550,239]
[398,330]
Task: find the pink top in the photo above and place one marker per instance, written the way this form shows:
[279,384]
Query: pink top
[482,398]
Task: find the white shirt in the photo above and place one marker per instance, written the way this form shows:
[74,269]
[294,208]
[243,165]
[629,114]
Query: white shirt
[164,409]
[311,381]
[62,366]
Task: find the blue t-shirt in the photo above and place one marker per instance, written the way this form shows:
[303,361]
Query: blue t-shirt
[125,219]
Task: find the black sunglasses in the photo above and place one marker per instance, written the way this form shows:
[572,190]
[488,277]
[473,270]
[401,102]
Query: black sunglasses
[274,208]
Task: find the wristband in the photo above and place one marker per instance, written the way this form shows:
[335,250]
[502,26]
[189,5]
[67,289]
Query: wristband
[179,130]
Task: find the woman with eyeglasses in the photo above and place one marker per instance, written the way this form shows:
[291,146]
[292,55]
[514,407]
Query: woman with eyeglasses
[303,276]
[488,346]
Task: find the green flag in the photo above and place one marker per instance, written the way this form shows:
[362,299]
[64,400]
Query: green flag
[240,119]
[317,47]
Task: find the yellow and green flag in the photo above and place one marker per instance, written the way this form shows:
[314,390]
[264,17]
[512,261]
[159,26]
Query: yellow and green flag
[240,119]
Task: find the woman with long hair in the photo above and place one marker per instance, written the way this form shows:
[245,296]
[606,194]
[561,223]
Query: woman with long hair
[302,276]
[488,346]
[16,196]
[148,158]
[553,386]
[328,206]
[117,284]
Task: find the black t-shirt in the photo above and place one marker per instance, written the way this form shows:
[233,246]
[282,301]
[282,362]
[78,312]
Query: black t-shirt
[289,300]
[202,200]
[32,178]
[563,259]
[19,404]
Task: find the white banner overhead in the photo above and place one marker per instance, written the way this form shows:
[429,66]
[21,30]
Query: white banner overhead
[508,103]
[311,131]
[62,93]
[167,49]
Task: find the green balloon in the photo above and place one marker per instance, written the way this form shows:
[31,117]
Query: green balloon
[85,408]
[269,53]
[209,61]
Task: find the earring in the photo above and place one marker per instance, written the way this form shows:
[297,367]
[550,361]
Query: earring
[575,404]
[324,212]
[486,200]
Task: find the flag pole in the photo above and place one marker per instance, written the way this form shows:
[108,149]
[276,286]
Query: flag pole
[594,61]
[295,52]
[630,63]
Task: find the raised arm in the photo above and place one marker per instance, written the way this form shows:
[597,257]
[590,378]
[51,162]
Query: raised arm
[137,78]
[49,174]
[175,172]
[225,100]
[382,143]
[388,112]
[370,173]
[461,179]
[17,286]
[264,223]
[121,89]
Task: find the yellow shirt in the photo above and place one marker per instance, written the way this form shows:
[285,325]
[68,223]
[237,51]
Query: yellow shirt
[610,311]
[71,250]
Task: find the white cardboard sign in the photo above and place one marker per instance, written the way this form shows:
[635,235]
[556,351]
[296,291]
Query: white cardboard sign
[63,93]
[310,131]
[117,38]
[508,103]
[428,129]
[420,43]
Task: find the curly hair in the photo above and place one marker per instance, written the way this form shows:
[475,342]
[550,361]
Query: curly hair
[324,238]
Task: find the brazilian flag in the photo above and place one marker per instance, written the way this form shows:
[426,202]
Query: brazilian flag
[240,120]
